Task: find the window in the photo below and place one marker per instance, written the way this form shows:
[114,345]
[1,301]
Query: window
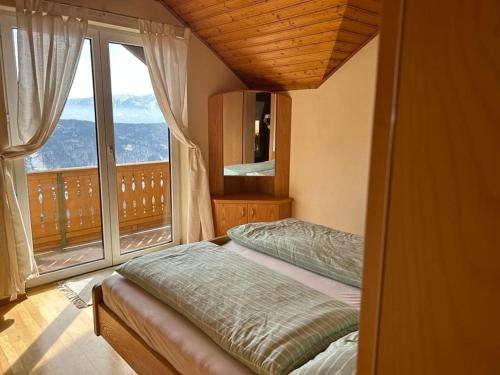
[101,189]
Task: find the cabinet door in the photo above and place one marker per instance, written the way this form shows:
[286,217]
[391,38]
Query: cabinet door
[258,212]
[228,215]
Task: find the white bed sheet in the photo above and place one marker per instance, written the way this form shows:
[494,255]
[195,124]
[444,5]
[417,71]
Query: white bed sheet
[342,292]
[187,348]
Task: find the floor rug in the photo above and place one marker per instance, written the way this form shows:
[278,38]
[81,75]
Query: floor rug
[79,289]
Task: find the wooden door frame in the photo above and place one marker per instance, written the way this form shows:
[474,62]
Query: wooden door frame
[379,182]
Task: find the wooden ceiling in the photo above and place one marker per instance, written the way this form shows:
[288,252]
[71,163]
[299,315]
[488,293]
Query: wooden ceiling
[281,44]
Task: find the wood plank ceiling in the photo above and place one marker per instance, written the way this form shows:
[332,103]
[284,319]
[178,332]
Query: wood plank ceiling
[281,44]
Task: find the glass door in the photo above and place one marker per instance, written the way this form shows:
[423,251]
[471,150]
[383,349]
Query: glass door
[140,164]
[64,183]
[100,190]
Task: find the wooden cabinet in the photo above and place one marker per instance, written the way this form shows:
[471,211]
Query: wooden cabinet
[231,211]
[241,199]
[228,215]
[258,212]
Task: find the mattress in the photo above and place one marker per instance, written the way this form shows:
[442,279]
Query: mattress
[188,349]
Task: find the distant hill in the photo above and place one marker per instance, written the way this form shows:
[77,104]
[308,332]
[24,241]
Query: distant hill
[126,109]
[73,144]
[141,134]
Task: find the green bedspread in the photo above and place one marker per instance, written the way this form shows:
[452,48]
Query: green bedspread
[339,359]
[328,252]
[266,320]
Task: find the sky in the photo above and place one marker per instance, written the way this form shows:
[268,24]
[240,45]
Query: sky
[128,75]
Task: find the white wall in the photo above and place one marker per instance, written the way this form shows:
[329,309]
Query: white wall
[330,146]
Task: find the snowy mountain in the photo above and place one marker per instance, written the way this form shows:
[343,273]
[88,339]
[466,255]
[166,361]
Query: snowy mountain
[141,135]
[126,109]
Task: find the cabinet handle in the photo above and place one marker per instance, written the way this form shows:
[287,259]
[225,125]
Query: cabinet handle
[243,211]
[252,212]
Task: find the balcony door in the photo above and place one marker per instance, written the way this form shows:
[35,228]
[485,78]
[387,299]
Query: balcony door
[100,190]
[140,150]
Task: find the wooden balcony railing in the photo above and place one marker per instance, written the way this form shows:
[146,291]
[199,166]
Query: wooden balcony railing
[65,204]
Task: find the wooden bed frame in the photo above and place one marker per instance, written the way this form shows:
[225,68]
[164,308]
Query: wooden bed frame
[133,349]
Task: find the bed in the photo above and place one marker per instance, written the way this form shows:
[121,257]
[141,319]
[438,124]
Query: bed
[155,339]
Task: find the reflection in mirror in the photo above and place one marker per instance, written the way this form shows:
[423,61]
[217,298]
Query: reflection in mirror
[249,131]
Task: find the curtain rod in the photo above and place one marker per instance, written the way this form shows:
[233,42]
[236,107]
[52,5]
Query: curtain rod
[99,16]
[129,21]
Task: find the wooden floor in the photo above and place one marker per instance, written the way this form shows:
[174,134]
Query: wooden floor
[47,334]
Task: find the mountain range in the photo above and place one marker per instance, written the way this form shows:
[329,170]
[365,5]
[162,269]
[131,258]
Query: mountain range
[141,135]
[126,109]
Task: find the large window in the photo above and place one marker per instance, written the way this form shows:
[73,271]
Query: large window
[100,190]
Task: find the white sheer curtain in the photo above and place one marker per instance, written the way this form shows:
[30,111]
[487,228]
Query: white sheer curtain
[166,58]
[50,39]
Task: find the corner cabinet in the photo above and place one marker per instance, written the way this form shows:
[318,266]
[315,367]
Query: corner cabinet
[231,211]
[240,198]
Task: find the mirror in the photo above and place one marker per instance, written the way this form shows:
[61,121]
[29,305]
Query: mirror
[249,134]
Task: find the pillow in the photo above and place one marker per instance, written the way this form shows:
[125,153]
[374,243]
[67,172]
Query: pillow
[332,253]
[338,359]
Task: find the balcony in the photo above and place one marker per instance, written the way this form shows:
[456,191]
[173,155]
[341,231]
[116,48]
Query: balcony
[66,215]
